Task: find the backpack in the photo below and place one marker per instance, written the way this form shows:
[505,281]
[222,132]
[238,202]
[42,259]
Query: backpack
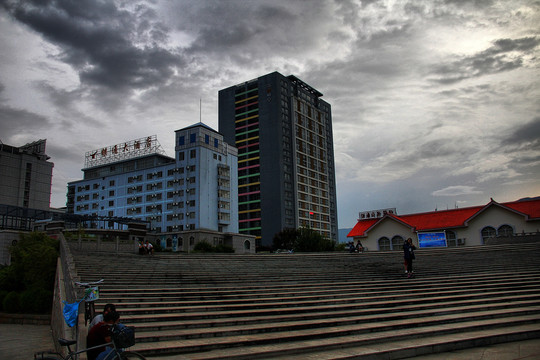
[123,336]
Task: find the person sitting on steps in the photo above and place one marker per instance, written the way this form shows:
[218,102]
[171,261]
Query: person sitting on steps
[99,318]
[101,334]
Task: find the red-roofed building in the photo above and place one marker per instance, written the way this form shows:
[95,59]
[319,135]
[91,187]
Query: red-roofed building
[456,227]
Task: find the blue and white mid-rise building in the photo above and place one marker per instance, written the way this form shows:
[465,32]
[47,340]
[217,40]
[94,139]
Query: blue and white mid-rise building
[187,199]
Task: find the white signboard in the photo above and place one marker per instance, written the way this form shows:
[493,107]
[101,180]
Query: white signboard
[376,214]
[123,151]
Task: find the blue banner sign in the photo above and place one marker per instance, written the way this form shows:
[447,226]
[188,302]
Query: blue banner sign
[434,239]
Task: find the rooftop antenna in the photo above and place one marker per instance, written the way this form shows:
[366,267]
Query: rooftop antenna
[200,110]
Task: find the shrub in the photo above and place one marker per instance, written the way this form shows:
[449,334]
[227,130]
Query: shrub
[224,249]
[157,247]
[36,300]
[12,302]
[3,294]
[203,247]
[9,280]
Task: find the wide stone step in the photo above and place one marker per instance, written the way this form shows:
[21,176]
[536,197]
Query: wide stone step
[157,298]
[291,306]
[206,319]
[352,323]
[310,340]
[404,348]
[298,306]
[145,294]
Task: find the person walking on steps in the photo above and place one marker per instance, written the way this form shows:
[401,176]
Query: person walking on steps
[408,254]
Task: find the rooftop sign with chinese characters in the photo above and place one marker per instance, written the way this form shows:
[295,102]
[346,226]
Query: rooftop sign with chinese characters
[127,150]
[376,214]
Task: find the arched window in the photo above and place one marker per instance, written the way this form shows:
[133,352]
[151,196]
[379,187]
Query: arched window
[169,242]
[247,245]
[505,231]
[397,243]
[451,238]
[488,233]
[191,240]
[384,244]
[180,242]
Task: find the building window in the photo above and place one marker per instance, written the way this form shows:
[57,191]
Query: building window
[488,233]
[384,244]
[451,238]
[192,154]
[192,138]
[207,139]
[215,143]
[181,140]
[505,231]
[397,243]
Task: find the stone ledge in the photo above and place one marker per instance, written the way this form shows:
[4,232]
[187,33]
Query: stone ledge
[25,319]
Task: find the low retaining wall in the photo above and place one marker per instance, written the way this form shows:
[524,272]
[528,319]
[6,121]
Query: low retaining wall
[116,245]
[25,319]
[514,239]
[65,290]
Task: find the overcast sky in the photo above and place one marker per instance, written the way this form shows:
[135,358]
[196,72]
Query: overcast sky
[436,104]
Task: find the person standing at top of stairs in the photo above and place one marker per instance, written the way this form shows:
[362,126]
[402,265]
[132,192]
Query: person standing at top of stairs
[408,254]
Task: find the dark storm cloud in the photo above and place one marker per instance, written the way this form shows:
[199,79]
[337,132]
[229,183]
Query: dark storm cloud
[504,55]
[249,33]
[65,102]
[235,24]
[475,3]
[109,47]
[528,134]
[16,121]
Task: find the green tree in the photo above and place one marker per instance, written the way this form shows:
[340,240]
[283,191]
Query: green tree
[310,240]
[34,260]
[32,272]
[302,240]
[285,239]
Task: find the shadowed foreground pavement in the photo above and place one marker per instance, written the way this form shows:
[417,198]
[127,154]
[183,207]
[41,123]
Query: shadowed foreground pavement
[21,341]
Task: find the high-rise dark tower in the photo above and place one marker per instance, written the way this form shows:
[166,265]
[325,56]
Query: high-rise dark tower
[286,176]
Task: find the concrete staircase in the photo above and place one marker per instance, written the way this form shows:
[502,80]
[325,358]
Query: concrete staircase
[321,306]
